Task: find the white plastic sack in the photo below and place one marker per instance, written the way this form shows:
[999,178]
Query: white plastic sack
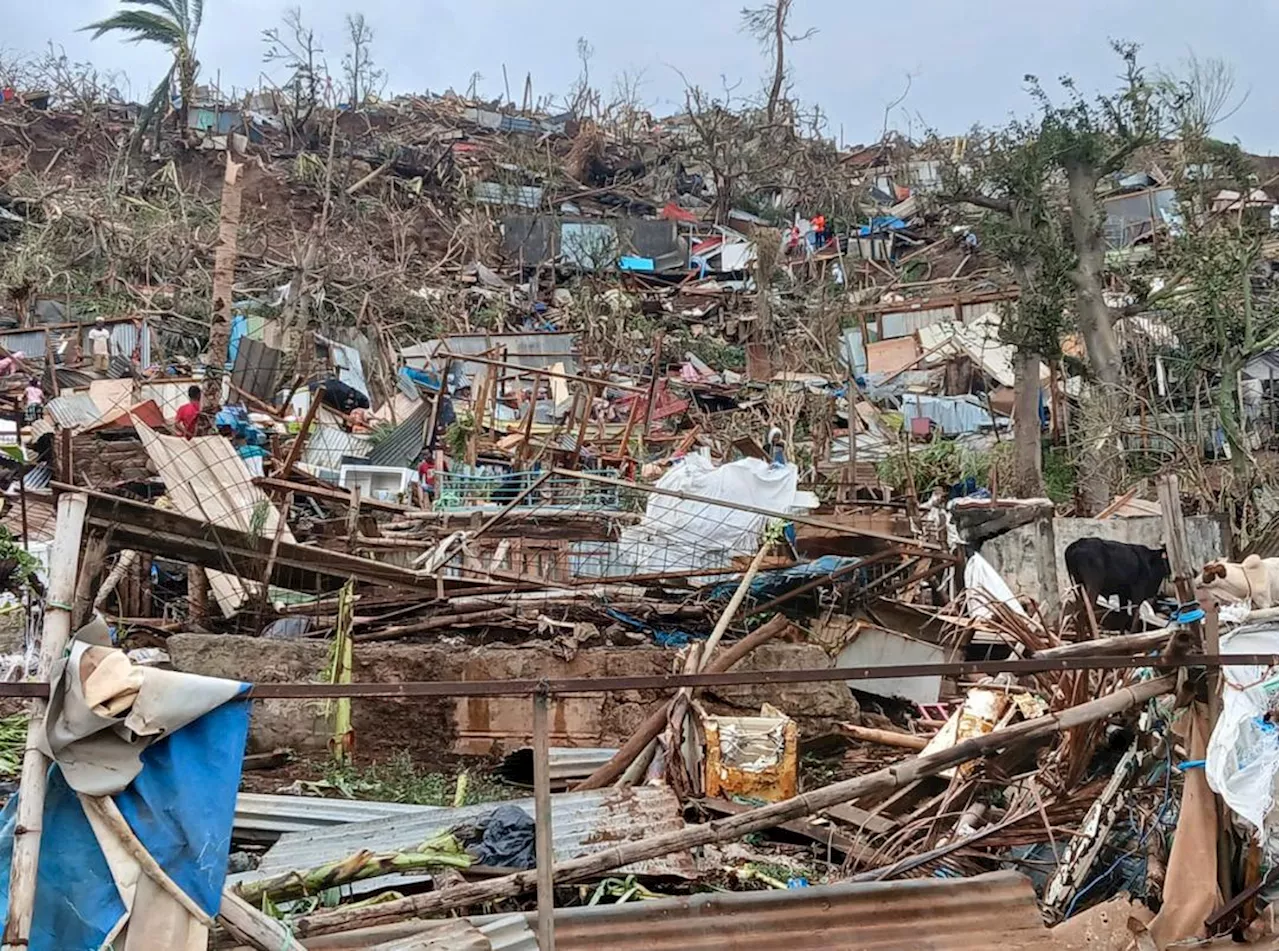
[1242,762]
[683,535]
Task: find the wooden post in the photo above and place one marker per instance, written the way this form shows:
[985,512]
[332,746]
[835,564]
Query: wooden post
[429,437]
[542,822]
[353,519]
[224,273]
[1175,536]
[31,792]
[851,463]
[295,448]
[522,451]
[653,384]
[588,402]
[1047,559]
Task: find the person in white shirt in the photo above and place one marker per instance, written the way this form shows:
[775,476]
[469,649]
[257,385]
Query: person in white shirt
[100,345]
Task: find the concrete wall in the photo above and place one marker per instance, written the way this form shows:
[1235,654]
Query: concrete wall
[1014,553]
[481,725]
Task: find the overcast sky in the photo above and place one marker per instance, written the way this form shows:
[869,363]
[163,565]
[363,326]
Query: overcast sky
[966,60]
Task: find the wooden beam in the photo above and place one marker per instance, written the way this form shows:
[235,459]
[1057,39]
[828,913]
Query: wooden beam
[295,448]
[146,528]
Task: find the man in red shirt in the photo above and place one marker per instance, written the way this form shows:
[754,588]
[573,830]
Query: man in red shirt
[188,415]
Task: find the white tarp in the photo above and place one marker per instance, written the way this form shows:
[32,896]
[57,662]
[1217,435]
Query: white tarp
[684,535]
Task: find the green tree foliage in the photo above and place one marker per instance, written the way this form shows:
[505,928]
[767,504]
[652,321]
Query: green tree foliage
[174,27]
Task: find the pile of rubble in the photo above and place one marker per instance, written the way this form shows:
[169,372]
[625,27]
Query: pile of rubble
[535,410]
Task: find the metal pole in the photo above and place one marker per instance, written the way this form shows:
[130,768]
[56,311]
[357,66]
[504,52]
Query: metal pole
[542,821]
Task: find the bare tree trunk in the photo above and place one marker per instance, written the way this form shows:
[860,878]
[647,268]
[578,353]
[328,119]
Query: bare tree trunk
[779,63]
[224,274]
[1028,481]
[1099,465]
[1228,405]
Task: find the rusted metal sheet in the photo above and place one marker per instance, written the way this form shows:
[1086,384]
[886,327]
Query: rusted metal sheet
[989,911]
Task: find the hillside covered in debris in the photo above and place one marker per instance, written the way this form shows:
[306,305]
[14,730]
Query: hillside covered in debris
[849,536]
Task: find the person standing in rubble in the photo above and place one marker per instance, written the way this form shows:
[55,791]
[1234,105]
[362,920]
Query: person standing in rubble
[100,345]
[33,400]
[187,419]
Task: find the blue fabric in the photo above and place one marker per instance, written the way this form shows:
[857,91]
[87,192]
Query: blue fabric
[675,638]
[239,329]
[421,377]
[778,581]
[181,806]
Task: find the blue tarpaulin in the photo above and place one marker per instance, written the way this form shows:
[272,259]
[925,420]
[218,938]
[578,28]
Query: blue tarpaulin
[661,638]
[180,806]
[770,584]
[881,223]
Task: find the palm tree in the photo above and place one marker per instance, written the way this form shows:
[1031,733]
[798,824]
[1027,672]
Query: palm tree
[176,27]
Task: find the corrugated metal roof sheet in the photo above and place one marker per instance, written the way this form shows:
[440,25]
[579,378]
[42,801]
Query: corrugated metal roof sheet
[326,445]
[73,411]
[997,910]
[529,350]
[279,814]
[404,444]
[582,823]
[988,911]
[42,516]
[29,342]
[38,477]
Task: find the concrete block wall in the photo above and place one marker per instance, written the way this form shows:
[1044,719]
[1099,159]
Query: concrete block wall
[1014,553]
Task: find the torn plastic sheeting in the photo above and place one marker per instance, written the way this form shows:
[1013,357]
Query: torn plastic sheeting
[180,806]
[1243,757]
[674,638]
[980,576]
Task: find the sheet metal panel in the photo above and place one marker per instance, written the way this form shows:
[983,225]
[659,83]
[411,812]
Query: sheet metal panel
[73,411]
[988,911]
[402,447]
[29,342]
[326,446]
[582,823]
[256,812]
[256,368]
[533,351]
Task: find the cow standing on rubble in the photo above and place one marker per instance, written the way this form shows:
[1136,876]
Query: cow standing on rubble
[1133,573]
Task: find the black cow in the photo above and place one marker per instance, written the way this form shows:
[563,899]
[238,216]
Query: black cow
[1134,573]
